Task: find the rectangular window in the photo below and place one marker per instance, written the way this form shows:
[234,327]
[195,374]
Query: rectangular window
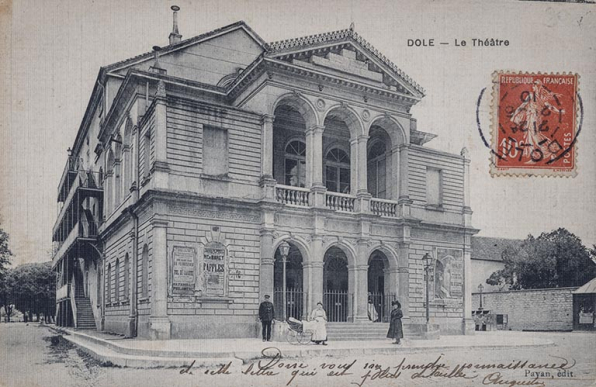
[215,151]
[434,194]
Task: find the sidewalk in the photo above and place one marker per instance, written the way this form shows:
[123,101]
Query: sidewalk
[140,353]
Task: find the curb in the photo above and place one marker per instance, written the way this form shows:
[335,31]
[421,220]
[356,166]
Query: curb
[111,353]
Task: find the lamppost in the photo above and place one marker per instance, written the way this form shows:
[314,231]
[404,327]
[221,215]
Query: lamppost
[284,249]
[480,289]
[428,264]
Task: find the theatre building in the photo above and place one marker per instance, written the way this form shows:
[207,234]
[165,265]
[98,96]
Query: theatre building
[221,168]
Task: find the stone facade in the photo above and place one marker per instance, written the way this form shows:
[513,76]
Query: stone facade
[208,168]
[531,310]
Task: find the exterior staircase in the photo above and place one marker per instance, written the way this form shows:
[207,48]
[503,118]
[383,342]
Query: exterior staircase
[365,331]
[85,319]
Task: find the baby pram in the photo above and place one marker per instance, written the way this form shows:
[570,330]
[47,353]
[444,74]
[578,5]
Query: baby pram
[299,332]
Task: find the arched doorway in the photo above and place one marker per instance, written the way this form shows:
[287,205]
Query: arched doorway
[294,284]
[335,285]
[379,286]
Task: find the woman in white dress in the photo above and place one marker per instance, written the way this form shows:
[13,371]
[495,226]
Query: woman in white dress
[320,318]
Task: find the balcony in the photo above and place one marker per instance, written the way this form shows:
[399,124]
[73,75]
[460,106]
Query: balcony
[304,197]
[63,292]
[82,184]
[83,231]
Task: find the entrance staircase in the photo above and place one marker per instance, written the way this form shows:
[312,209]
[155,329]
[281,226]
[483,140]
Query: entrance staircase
[365,331]
[85,319]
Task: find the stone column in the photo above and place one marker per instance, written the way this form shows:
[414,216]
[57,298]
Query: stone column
[362,165]
[314,164]
[403,278]
[393,173]
[159,322]
[267,144]
[354,168]
[361,293]
[316,271]
[363,202]
[404,185]
[267,263]
[160,166]
[267,180]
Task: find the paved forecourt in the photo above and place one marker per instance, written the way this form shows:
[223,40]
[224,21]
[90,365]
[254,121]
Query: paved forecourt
[139,353]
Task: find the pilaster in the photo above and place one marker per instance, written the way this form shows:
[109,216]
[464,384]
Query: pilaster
[403,278]
[159,323]
[267,263]
[131,330]
[160,168]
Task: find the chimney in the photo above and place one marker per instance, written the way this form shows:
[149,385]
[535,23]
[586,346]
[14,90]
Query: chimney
[156,68]
[175,36]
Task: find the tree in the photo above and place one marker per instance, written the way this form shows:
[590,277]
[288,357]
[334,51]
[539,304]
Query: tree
[5,255]
[34,289]
[555,259]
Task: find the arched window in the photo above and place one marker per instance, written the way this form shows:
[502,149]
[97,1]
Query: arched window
[126,277]
[337,171]
[109,284]
[145,272]
[295,164]
[117,282]
[377,170]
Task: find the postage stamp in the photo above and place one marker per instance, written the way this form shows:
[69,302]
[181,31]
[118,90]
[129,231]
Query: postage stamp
[534,124]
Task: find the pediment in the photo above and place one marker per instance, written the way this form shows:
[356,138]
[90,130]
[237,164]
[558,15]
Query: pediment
[344,53]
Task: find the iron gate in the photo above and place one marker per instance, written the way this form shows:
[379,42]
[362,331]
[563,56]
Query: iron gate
[336,304]
[382,303]
[294,303]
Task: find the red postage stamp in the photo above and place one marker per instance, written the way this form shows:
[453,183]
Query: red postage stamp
[534,124]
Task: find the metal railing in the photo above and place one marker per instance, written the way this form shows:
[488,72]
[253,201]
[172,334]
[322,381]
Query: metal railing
[383,207]
[382,303]
[340,202]
[294,303]
[296,196]
[336,304]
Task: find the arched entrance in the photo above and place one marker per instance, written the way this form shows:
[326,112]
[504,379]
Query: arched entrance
[335,285]
[294,284]
[379,286]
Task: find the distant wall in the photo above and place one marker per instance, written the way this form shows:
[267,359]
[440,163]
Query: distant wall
[537,309]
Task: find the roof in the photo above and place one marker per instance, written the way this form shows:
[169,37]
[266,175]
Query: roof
[280,46]
[491,249]
[589,288]
[342,35]
[190,41]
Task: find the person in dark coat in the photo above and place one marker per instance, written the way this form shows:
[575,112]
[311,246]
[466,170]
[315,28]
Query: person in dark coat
[266,315]
[395,328]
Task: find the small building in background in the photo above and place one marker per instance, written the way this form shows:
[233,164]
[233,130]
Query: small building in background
[487,258]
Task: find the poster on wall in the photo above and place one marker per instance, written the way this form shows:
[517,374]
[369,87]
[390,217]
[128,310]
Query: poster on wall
[214,270]
[183,270]
[449,274]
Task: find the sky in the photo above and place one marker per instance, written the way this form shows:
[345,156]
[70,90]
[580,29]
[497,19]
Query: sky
[51,51]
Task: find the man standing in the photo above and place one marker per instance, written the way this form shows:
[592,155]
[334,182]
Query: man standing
[266,315]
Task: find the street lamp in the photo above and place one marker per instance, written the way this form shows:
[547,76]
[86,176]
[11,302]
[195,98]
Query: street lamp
[284,249]
[428,264]
[480,289]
